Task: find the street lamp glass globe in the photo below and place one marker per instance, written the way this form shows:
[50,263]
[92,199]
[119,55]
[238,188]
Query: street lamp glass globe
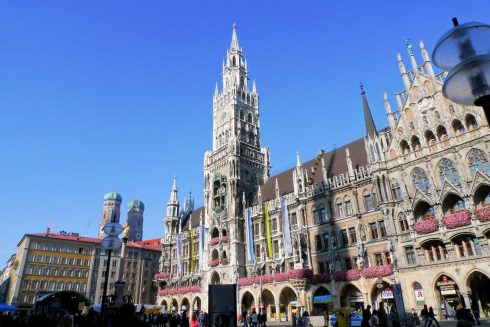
[468,81]
[460,43]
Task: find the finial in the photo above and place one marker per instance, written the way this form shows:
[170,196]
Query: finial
[362,87]
[409,47]
[216,89]
[254,87]
[298,160]
[234,40]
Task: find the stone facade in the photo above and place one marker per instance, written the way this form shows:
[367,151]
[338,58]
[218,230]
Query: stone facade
[407,204]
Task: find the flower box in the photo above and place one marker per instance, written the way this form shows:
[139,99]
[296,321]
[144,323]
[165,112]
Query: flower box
[483,214]
[457,219]
[347,275]
[278,277]
[320,278]
[159,276]
[213,263]
[377,271]
[246,281]
[426,226]
[214,241]
[225,239]
[224,261]
[179,290]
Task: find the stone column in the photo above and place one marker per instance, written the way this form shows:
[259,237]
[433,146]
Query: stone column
[466,299]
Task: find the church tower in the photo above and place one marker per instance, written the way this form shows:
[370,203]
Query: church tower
[236,166]
[171,219]
[111,212]
[136,208]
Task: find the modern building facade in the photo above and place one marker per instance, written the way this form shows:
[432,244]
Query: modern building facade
[406,204]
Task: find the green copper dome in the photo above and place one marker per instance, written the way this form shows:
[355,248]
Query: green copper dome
[137,204]
[113,196]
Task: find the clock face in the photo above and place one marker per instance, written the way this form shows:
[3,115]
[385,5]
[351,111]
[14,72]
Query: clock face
[223,116]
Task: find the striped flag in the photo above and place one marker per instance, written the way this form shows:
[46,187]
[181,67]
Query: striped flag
[179,254]
[268,231]
[191,236]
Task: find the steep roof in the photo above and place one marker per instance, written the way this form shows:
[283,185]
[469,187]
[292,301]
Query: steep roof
[335,163]
[152,244]
[195,218]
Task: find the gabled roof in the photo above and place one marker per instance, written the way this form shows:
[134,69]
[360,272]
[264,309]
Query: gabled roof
[335,163]
[195,218]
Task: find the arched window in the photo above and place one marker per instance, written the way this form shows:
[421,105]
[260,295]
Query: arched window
[242,114]
[396,191]
[249,118]
[348,206]
[467,246]
[402,221]
[234,61]
[470,122]
[429,137]
[339,207]
[368,201]
[477,160]
[458,127]
[420,180]
[404,147]
[448,172]
[415,143]
[441,133]
[242,81]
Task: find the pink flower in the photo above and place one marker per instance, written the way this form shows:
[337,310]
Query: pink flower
[320,278]
[483,213]
[159,276]
[246,281]
[457,219]
[214,241]
[224,261]
[426,226]
[347,275]
[213,262]
[225,239]
[377,271]
[180,290]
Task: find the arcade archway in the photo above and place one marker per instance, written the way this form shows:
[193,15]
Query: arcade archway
[174,306]
[248,303]
[184,305]
[479,284]
[382,293]
[164,304]
[322,301]
[268,304]
[288,301]
[196,304]
[351,296]
[447,294]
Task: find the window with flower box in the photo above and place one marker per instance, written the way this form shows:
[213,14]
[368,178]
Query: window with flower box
[348,263]
[378,259]
[387,258]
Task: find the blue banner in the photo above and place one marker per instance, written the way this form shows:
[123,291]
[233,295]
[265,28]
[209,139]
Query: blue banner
[179,254]
[322,299]
[286,233]
[201,251]
[250,239]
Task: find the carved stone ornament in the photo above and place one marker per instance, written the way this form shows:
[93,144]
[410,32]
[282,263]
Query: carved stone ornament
[425,104]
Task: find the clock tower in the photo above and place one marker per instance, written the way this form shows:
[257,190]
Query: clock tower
[235,167]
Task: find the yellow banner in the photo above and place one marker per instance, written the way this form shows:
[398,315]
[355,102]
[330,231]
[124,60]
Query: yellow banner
[191,244]
[268,231]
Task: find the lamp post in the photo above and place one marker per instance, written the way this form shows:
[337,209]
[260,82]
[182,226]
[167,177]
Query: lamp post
[464,51]
[109,243]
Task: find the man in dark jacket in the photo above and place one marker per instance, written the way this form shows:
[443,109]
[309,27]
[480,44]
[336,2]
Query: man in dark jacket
[366,315]
[382,315]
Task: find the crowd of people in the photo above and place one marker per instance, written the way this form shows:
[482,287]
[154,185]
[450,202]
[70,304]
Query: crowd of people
[254,319]
[125,316]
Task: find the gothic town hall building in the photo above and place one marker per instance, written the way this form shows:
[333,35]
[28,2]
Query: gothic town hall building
[409,203]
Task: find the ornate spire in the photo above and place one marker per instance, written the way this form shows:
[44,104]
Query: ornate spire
[298,160]
[277,189]
[368,118]
[173,193]
[254,87]
[234,40]
[216,92]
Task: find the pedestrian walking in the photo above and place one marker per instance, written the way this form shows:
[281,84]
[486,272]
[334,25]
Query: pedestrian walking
[374,320]
[382,315]
[254,318]
[366,316]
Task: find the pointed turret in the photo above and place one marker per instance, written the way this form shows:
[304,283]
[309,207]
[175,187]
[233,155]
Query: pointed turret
[426,58]
[173,194]
[391,119]
[234,40]
[298,160]
[216,92]
[254,87]
[409,46]
[349,164]
[403,71]
[277,189]
[368,117]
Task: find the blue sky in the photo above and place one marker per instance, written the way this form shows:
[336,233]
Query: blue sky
[97,96]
